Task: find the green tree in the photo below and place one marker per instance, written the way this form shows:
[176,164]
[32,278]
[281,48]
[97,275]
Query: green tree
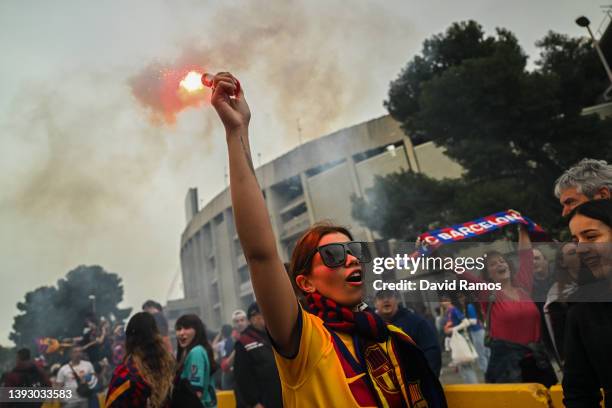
[60,311]
[7,359]
[513,130]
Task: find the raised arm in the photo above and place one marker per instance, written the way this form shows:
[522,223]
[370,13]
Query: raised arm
[271,283]
[524,278]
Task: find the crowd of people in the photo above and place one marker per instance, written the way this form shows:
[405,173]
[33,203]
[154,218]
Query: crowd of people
[311,340]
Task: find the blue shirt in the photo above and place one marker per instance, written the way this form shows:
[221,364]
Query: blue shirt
[197,371]
[457,316]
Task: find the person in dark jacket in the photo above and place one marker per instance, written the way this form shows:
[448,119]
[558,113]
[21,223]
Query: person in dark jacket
[25,374]
[588,359]
[422,332]
[255,372]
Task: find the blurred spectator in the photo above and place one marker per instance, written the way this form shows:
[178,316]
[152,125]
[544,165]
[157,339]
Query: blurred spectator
[257,380]
[89,340]
[467,310]
[388,307]
[118,345]
[25,374]
[542,276]
[75,373]
[223,345]
[239,323]
[587,180]
[567,268]
[456,321]
[153,307]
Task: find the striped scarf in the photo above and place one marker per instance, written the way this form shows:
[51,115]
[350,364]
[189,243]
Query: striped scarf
[398,377]
[362,321]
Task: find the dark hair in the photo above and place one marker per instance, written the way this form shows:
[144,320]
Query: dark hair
[141,334]
[253,310]
[600,210]
[306,245]
[226,330]
[24,354]
[191,321]
[151,303]
[145,345]
[454,298]
[490,254]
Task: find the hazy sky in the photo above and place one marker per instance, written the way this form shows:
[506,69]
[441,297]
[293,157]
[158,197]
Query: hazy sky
[87,178]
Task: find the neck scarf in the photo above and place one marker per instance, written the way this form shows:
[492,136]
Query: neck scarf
[398,376]
[361,320]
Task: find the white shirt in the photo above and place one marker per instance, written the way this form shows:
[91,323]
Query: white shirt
[66,377]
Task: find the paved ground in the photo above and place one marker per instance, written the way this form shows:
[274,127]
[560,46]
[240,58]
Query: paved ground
[449,375]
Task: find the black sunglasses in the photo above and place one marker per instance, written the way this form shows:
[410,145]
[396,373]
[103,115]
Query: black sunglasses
[334,255]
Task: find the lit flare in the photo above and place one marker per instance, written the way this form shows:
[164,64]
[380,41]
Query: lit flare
[192,82]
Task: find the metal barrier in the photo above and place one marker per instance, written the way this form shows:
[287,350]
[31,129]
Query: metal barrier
[457,395]
[477,396]
[497,395]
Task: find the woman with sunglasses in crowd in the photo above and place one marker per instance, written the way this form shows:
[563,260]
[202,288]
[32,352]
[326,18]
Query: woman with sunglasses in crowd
[338,353]
[588,332]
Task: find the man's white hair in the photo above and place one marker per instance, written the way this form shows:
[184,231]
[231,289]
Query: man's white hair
[238,313]
[587,176]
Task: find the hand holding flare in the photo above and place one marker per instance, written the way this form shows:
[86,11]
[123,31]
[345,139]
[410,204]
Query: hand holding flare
[228,99]
[208,81]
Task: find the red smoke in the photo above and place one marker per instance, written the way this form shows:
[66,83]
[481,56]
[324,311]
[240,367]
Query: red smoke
[157,88]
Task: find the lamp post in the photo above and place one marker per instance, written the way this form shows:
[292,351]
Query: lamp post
[582,21]
[92,299]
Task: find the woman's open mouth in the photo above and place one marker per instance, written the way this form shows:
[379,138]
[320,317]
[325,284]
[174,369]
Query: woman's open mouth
[355,278]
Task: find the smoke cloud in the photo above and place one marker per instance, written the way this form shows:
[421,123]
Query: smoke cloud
[313,62]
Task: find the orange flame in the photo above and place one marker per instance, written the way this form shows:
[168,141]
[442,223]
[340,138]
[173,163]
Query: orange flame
[167,90]
[192,82]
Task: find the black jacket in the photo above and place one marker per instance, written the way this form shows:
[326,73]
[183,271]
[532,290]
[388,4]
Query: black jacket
[588,355]
[423,334]
[255,371]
